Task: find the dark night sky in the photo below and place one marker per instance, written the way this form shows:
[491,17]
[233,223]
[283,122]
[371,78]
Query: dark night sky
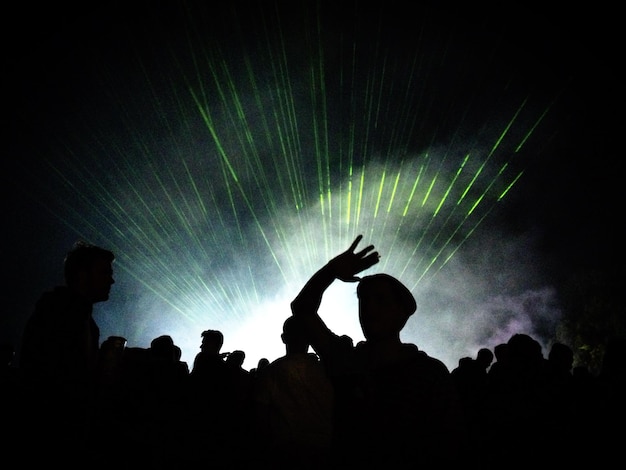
[57,56]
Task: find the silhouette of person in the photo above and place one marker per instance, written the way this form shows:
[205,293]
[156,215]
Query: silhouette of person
[167,410]
[237,389]
[110,360]
[470,379]
[235,360]
[261,364]
[182,366]
[395,406]
[209,359]
[208,401]
[264,361]
[60,347]
[169,376]
[470,376]
[238,379]
[60,341]
[294,405]
[498,373]
[517,414]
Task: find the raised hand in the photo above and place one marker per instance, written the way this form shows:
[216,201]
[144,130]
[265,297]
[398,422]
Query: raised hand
[348,264]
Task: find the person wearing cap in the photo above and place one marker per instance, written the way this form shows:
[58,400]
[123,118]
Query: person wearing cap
[395,405]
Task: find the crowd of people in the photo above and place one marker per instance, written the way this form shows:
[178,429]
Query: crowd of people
[327,403]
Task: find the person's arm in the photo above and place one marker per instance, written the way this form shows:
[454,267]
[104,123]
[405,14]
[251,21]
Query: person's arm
[344,267]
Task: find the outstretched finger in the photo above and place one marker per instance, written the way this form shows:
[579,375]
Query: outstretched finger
[365,250]
[370,260]
[355,242]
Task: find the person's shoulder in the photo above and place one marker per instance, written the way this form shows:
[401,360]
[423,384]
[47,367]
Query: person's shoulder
[423,359]
[49,307]
[278,362]
[411,352]
[292,361]
[60,298]
[274,370]
[53,296]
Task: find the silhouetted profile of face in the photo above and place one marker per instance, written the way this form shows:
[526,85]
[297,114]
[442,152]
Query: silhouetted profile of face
[212,341]
[88,271]
[100,280]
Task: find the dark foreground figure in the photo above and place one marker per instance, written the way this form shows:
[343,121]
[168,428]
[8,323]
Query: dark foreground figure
[396,407]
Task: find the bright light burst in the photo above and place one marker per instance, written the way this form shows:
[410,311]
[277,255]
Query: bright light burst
[230,167]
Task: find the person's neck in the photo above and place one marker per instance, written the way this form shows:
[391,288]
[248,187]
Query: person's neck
[384,351]
[81,294]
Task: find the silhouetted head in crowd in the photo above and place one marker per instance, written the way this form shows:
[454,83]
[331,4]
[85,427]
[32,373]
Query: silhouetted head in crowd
[162,347]
[212,341]
[524,348]
[178,353]
[295,336]
[501,352]
[484,357]
[561,356]
[88,271]
[464,362]
[262,363]
[236,358]
[385,305]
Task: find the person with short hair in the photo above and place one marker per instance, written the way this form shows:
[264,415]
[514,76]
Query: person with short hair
[61,339]
[59,355]
[293,405]
[395,406]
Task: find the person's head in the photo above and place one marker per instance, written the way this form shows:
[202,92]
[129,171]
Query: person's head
[484,357]
[385,305]
[524,350]
[236,358]
[561,356]
[294,335]
[501,352]
[88,270]
[212,341]
[178,353]
[162,347]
